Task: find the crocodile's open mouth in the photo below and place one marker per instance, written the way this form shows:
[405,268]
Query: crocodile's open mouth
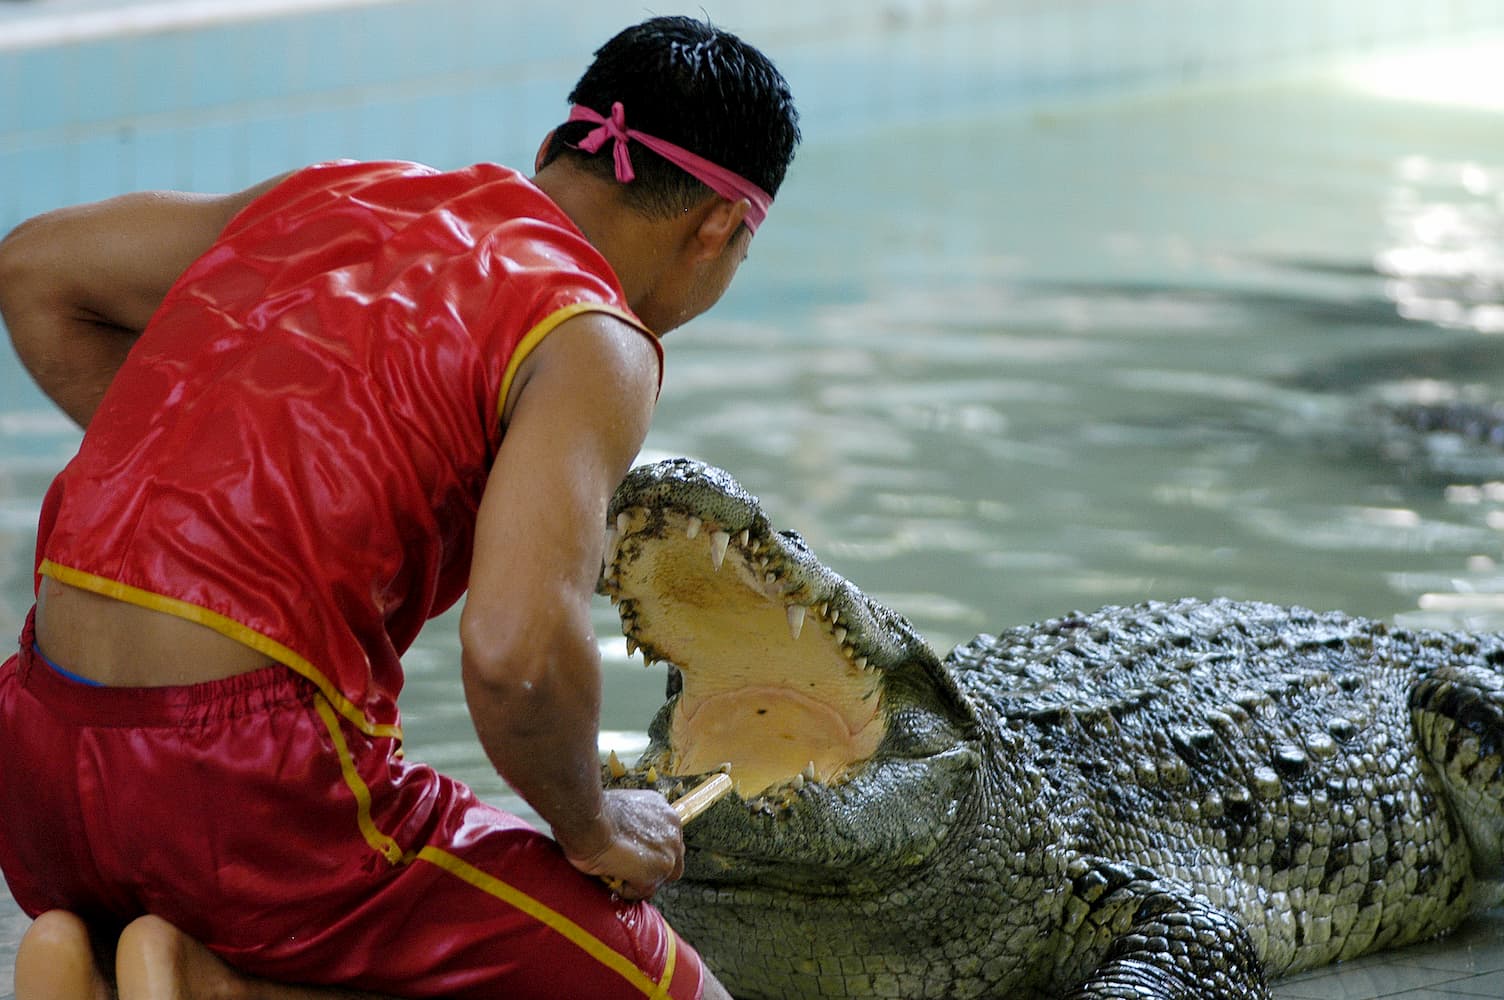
[778,656]
[774,684]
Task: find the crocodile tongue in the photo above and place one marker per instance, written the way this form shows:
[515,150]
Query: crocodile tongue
[780,659]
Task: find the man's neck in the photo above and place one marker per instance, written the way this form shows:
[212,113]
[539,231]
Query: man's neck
[638,249]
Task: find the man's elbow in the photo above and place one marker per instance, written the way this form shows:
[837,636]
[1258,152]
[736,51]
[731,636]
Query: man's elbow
[490,668]
[522,663]
[21,243]
[496,652]
[26,254]
[13,258]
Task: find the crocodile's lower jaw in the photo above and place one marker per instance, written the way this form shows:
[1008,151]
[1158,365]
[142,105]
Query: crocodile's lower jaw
[767,734]
[769,686]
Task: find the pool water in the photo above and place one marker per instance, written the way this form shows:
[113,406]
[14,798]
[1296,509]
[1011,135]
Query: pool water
[1008,368]
[1003,368]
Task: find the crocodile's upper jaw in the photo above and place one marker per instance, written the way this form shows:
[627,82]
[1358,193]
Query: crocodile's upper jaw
[771,686]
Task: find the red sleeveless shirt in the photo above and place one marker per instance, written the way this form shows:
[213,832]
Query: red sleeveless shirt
[294,451]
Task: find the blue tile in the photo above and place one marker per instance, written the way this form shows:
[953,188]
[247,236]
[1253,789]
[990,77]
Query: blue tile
[379,50]
[216,158]
[493,125]
[542,104]
[435,128]
[269,148]
[154,72]
[99,166]
[320,135]
[325,47]
[441,41]
[12,170]
[10,86]
[506,36]
[215,67]
[266,51]
[98,68]
[43,76]
[47,184]
[376,133]
[153,158]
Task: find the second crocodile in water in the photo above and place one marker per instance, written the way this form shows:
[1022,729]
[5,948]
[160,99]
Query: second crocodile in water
[1163,801]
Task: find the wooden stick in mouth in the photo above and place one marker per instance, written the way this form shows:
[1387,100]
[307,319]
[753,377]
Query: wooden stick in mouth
[701,797]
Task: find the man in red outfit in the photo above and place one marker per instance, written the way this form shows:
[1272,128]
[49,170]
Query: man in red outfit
[318,412]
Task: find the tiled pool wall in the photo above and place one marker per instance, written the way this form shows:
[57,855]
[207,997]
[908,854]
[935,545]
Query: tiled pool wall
[216,94]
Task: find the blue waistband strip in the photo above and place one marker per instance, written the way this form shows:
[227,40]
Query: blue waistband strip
[61,671]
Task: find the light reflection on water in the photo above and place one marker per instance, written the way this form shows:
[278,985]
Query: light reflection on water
[1446,263]
[1000,371]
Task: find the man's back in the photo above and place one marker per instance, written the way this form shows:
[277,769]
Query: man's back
[293,454]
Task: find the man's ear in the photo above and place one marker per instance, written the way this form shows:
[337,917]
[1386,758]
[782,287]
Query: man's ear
[543,150]
[717,227]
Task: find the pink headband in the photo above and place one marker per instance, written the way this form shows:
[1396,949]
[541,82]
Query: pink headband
[720,180]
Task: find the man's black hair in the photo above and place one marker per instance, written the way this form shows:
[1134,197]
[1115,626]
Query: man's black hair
[696,86]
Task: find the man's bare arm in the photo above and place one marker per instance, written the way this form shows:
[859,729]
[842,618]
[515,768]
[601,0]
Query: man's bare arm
[77,285]
[530,660]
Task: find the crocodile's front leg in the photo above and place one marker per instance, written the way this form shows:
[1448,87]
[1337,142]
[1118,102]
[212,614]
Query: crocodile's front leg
[1459,720]
[1163,942]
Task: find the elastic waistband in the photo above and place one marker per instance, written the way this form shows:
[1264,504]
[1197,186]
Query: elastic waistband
[187,705]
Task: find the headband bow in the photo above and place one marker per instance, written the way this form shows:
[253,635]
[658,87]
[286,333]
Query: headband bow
[723,182]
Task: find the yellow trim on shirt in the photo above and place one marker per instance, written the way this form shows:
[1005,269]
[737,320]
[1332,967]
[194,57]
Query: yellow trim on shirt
[548,325]
[242,634]
[589,943]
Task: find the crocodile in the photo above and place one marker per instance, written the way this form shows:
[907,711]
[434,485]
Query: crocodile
[1456,431]
[1171,800]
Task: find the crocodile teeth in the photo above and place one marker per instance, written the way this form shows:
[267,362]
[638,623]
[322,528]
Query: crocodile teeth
[745,536]
[808,774]
[613,539]
[623,522]
[718,542]
[613,762]
[692,527]
[651,777]
[840,633]
[631,646]
[796,620]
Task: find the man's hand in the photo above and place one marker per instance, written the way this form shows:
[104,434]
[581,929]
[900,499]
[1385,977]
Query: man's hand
[645,848]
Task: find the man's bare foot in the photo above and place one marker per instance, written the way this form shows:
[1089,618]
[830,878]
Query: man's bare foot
[156,961]
[56,961]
